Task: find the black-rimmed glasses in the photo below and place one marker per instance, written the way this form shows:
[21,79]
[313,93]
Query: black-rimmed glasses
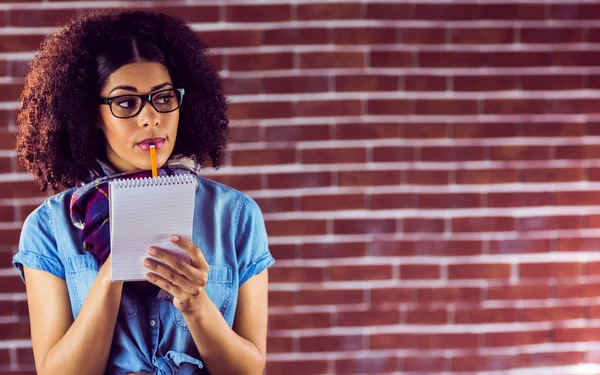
[163,101]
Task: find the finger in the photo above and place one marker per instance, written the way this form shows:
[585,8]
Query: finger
[198,259]
[173,261]
[168,274]
[165,285]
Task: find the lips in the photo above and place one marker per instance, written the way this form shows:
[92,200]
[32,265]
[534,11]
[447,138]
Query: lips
[145,144]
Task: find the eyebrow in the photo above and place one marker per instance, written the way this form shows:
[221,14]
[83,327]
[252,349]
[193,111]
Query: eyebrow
[131,88]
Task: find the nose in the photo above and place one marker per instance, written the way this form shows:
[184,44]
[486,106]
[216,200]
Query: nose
[148,116]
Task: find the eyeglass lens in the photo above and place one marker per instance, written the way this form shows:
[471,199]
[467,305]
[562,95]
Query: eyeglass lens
[163,101]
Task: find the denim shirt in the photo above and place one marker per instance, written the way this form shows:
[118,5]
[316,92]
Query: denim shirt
[151,335]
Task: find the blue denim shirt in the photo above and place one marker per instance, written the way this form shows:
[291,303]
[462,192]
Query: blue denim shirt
[151,335]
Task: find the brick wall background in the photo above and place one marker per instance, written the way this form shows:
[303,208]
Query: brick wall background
[429,173]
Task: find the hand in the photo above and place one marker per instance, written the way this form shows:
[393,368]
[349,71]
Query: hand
[186,282]
[105,273]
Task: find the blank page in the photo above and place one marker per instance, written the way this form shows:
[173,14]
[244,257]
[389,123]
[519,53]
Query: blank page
[143,213]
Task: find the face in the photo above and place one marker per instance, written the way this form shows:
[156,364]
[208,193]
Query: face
[127,139]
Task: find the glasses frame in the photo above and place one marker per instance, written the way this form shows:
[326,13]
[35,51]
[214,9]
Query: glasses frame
[144,98]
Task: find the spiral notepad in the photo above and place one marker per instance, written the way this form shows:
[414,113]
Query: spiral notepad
[143,213]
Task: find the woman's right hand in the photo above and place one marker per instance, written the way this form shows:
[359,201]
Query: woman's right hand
[105,273]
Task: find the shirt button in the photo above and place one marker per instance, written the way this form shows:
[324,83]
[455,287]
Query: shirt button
[152,323]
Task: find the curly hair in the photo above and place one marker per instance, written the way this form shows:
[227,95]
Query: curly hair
[57,140]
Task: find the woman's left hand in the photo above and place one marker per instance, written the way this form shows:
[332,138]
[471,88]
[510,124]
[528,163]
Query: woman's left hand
[186,282]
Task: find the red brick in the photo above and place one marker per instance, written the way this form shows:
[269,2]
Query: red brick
[447,247]
[299,84]
[553,314]
[520,246]
[486,176]
[10,92]
[331,343]
[366,365]
[451,153]
[553,82]
[445,11]
[594,268]
[564,334]
[389,107]
[514,106]
[334,155]
[337,11]
[514,59]
[360,272]
[282,298]
[364,226]
[512,11]
[562,129]
[393,341]
[231,38]
[277,204]
[446,107]
[423,35]
[478,35]
[242,182]
[372,317]
[39,18]
[422,82]
[518,292]
[426,130]
[330,60]
[295,36]
[549,359]
[517,338]
[258,13]
[297,133]
[550,223]
[271,156]
[370,178]
[191,14]
[368,131]
[391,296]
[298,180]
[484,362]
[569,11]
[577,290]
[485,83]
[263,61]
[260,110]
[333,250]
[393,154]
[450,59]
[449,200]
[21,43]
[478,271]
[523,152]
[15,331]
[242,134]
[423,225]
[389,11]
[332,202]
[391,59]
[577,152]
[361,83]
[319,108]
[421,362]
[427,316]
[483,224]
[280,344]
[485,315]
[427,177]
[331,297]
[521,199]
[571,106]
[365,35]
[298,367]
[577,198]
[484,130]
[296,274]
[298,227]
[7,213]
[578,243]
[419,271]
[9,237]
[527,270]
[298,320]
[283,251]
[552,174]
[449,294]
[449,341]
[4,357]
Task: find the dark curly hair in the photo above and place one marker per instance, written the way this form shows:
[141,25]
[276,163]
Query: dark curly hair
[57,140]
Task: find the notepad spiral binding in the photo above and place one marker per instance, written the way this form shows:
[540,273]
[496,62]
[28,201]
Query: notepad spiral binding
[159,181]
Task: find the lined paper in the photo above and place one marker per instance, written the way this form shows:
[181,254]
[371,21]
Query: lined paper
[144,213]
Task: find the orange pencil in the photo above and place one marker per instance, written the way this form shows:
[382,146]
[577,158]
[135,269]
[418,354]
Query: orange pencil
[153,160]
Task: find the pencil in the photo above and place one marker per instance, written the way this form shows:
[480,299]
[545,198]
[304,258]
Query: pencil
[153,160]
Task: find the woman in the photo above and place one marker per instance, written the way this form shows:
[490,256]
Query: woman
[99,91]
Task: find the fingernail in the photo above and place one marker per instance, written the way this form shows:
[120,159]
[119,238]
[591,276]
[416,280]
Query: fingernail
[152,251]
[147,262]
[174,238]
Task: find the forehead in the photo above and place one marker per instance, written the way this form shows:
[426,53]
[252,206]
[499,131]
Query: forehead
[141,75]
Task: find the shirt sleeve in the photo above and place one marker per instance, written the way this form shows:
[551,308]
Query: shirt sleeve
[37,244]
[252,244]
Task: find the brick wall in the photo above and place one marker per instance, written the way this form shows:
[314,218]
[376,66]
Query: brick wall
[428,172]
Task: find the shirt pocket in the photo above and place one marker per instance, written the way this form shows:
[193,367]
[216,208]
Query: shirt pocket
[219,289]
[82,271]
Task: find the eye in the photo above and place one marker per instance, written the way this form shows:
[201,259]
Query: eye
[126,103]
[164,99]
